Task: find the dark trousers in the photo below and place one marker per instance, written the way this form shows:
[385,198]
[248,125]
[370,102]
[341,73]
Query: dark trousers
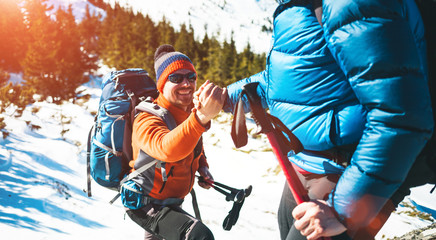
[169,222]
[319,186]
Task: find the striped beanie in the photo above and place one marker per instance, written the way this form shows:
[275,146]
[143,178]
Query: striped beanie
[167,61]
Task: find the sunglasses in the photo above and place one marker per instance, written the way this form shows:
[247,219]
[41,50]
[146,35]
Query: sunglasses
[178,78]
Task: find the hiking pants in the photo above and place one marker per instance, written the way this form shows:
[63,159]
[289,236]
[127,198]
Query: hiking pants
[319,187]
[169,222]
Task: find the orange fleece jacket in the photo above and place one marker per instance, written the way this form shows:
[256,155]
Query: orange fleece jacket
[175,147]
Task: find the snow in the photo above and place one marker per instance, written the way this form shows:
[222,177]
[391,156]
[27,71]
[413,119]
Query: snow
[78,7]
[43,174]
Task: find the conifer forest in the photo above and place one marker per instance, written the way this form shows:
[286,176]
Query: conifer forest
[56,53]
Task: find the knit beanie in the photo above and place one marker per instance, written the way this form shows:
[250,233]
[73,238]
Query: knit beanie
[167,61]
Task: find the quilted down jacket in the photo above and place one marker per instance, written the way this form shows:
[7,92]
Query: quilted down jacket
[358,80]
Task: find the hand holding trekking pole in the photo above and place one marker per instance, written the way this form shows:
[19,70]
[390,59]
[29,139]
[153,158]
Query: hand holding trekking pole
[314,218]
[205,174]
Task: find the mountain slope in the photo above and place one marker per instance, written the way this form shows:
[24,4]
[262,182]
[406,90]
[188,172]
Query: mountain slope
[245,19]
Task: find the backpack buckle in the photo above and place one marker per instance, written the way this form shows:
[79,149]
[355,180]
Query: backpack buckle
[130,93]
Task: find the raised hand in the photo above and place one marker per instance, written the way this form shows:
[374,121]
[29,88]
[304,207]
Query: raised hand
[209,100]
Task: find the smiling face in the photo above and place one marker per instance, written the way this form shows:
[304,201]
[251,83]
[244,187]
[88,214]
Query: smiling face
[180,95]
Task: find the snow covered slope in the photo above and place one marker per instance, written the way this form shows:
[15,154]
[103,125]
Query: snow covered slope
[42,174]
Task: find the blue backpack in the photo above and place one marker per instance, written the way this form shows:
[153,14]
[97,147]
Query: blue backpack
[124,94]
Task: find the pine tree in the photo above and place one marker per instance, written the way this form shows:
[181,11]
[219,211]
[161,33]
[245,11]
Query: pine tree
[259,63]
[72,62]
[214,61]
[12,36]
[224,65]
[203,64]
[165,32]
[185,41]
[247,60]
[230,58]
[143,41]
[54,64]
[39,65]
[127,39]
[89,32]
[112,38]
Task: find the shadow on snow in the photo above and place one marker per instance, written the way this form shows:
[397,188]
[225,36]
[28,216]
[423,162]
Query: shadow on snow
[15,179]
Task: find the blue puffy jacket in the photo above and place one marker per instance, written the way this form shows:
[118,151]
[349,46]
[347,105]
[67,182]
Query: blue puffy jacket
[371,92]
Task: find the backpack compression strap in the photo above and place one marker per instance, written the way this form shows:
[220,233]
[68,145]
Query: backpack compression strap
[112,150]
[88,161]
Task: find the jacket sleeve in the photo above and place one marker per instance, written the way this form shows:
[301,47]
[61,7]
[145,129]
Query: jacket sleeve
[373,43]
[154,137]
[235,89]
[203,161]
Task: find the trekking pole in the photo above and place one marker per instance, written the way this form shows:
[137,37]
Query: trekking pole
[298,191]
[259,115]
[235,195]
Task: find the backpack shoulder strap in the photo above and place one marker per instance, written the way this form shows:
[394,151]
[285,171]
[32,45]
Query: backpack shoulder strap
[198,148]
[153,108]
[88,161]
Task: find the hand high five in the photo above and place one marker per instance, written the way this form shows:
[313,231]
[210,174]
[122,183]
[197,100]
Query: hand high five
[209,100]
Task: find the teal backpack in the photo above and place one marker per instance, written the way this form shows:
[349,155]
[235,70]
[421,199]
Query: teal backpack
[124,94]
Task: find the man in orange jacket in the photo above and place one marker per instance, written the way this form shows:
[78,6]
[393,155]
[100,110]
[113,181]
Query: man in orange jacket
[153,198]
